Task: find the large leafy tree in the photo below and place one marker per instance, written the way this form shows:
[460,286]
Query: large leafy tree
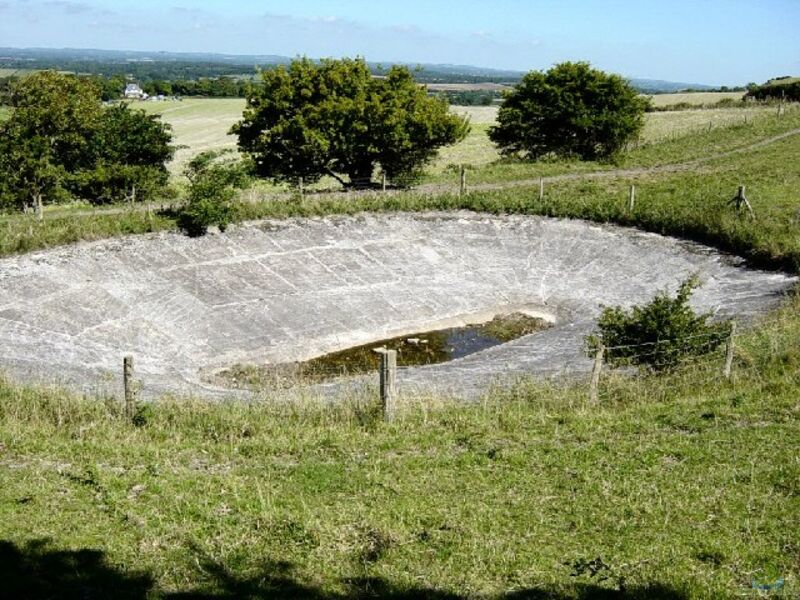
[572,110]
[129,151]
[59,140]
[46,136]
[334,118]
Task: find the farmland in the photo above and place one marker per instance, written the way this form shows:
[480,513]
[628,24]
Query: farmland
[693,98]
[203,124]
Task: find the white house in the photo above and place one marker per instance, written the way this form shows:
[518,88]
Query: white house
[134,92]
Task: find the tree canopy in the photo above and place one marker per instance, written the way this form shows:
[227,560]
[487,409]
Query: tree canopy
[334,118]
[60,142]
[572,110]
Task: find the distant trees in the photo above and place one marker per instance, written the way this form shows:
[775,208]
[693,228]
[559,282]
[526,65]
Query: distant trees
[781,88]
[333,118]
[60,142]
[572,110]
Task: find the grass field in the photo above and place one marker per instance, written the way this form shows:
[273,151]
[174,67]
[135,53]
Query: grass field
[203,124]
[674,487]
[199,124]
[695,98]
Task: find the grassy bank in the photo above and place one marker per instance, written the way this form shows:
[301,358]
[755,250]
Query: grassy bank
[679,486]
[683,486]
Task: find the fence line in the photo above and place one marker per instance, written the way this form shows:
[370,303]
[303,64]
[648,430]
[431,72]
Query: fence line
[715,364]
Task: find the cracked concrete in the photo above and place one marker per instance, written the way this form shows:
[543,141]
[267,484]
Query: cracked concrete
[278,291]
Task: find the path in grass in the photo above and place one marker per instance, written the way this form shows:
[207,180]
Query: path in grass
[613,173]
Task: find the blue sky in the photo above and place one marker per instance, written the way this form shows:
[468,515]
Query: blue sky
[700,41]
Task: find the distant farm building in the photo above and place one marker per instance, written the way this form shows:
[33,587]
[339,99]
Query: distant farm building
[134,92]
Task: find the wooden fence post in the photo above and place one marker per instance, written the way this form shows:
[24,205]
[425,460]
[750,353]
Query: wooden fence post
[740,200]
[541,188]
[463,185]
[594,395]
[388,382]
[729,352]
[383,182]
[632,198]
[130,391]
[300,188]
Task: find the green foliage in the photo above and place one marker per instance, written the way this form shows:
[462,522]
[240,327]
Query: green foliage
[658,335]
[28,169]
[213,181]
[129,151]
[781,88]
[333,118]
[572,110]
[60,142]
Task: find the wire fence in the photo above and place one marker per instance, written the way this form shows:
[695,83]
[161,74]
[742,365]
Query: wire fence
[655,369]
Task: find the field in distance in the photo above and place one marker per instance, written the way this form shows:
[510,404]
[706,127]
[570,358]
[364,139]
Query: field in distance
[693,98]
[202,124]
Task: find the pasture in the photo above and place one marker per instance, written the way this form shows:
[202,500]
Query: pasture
[693,98]
[203,124]
[199,124]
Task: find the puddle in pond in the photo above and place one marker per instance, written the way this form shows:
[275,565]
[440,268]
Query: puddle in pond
[412,350]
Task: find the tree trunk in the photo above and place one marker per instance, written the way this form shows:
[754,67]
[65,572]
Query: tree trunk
[361,176]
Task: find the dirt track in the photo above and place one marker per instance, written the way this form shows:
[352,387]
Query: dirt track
[434,188]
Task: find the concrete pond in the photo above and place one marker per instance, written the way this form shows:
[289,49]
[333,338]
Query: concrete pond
[277,292]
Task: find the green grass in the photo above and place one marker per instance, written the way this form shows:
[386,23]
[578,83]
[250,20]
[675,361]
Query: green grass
[24,233]
[5,111]
[199,124]
[669,137]
[686,486]
[203,124]
[694,98]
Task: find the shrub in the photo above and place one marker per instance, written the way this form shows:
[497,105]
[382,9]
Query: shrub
[658,335]
[212,187]
[571,110]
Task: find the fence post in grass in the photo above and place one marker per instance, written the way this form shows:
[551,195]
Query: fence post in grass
[632,198]
[463,185]
[729,352]
[541,188]
[595,383]
[130,391]
[39,207]
[383,182]
[388,382]
[300,188]
[740,200]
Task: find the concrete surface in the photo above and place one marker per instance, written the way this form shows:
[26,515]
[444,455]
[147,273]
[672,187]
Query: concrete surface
[278,291]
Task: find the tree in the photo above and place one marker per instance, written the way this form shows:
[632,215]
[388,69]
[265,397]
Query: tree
[333,118]
[130,150]
[46,136]
[572,110]
[658,335]
[59,140]
[28,171]
[213,181]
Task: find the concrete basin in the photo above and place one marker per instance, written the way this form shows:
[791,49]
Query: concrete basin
[277,291]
